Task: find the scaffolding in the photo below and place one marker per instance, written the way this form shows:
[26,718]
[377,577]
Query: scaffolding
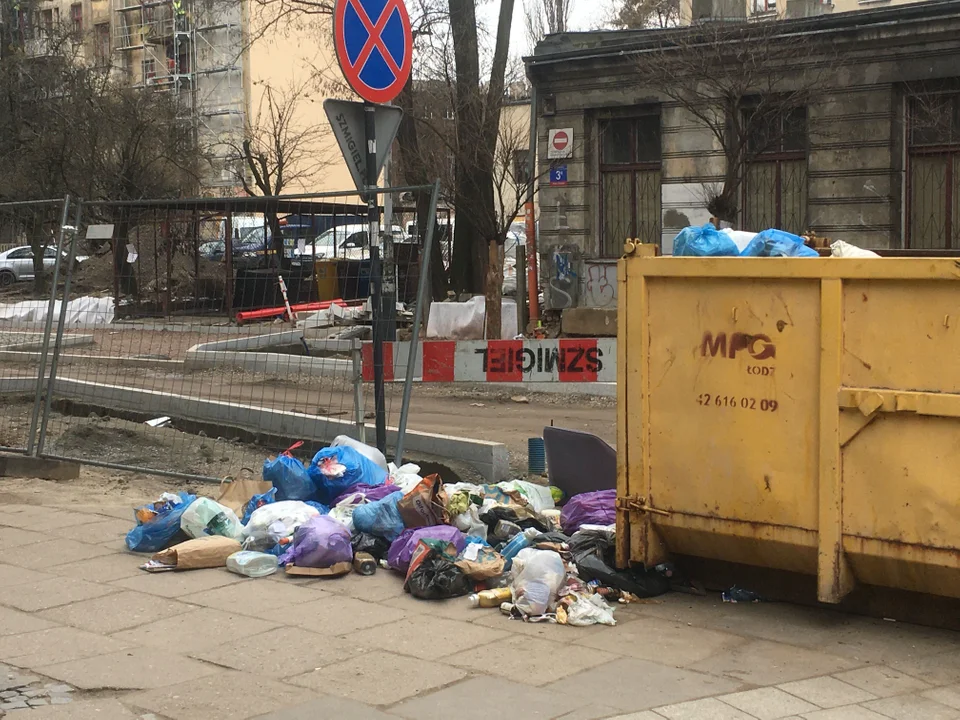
[192,48]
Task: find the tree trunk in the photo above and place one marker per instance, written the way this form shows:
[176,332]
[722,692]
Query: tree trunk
[493,294]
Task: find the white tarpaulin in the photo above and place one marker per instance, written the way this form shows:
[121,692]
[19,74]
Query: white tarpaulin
[82,311]
[464,321]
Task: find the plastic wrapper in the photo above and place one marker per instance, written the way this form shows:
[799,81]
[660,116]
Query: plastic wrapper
[291,513]
[380,518]
[590,610]
[433,573]
[319,543]
[334,469]
[402,548]
[163,527]
[289,477]
[252,564]
[208,517]
[593,508]
[538,575]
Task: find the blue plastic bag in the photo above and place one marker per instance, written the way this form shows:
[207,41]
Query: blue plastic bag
[381,517]
[320,507]
[156,534]
[289,476]
[334,469]
[777,243]
[258,501]
[705,241]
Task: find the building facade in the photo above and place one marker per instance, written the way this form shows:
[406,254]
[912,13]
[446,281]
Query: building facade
[872,159]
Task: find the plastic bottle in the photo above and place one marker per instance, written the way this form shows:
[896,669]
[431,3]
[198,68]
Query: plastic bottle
[490,598]
[518,543]
[252,564]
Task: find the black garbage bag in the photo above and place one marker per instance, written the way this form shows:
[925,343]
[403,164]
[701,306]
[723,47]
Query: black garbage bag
[593,555]
[501,512]
[433,574]
[377,546]
[551,537]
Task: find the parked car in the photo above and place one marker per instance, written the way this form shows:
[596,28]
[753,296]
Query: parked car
[349,242]
[16,264]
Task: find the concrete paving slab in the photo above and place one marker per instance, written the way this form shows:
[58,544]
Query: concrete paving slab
[761,662]
[195,631]
[643,715]
[49,553]
[98,709]
[943,669]
[848,712]
[45,594]
[177,584]
[384,585]
[132,669]
[339,615]
[10,536]
[452,609]
[11,575]
[281,652]
[99,530]
[493,619]
[14,622]
[379,678]
[103,569]
[706,709]
[256,598]
[949,696]
[116,612]
[55,645]
[663,641]
[328,707]
[532,661]
[596,712]
[882,681]
[426,638]
[225,696]
[768,703]
[482,697]
[912,707]
[827,692]
[631,685]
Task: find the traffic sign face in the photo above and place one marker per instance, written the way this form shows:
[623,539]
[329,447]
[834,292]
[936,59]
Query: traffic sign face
[374,46]
[560,143]
[346,120]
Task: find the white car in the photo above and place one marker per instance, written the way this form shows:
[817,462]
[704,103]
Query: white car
[16,264]
[347,242]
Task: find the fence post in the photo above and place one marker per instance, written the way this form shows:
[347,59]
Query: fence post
[521,270]
[358,391]
[422,293]
[61,322]
[48,327]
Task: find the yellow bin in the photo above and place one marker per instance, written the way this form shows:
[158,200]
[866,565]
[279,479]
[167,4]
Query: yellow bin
[799,414]
[328,287]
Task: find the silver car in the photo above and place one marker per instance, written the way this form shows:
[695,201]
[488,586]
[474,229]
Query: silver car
[16,264]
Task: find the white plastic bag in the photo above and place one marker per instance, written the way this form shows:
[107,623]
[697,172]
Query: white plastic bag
[468,522]
[741,238]
[342,512]
[208,517]
[252,564]
[538,575]
[371,453]
[590,610]
[538,497]
[406,477]
[843,249]
[292,513]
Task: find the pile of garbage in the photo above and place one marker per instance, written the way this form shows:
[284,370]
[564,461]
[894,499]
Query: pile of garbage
[515,545]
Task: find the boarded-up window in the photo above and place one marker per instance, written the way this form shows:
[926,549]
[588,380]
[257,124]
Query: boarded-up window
[630,152]
[775,181]
[933,198]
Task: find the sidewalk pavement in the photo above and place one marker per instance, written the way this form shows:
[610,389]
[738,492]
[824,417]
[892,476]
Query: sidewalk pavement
[85,634]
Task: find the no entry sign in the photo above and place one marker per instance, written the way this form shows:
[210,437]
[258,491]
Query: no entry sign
[374,46]
[560,143]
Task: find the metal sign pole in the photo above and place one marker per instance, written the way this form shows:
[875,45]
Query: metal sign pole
[376,274]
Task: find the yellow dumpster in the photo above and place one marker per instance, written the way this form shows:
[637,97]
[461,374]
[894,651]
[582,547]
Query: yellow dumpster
[328,286]
[799,414]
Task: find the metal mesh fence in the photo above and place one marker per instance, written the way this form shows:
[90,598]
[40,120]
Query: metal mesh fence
[177,353]
[31,263]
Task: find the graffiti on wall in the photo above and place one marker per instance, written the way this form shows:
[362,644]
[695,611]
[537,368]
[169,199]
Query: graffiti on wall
[564,282]
[600,285]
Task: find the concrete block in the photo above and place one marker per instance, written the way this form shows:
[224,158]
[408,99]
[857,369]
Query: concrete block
[589,322]
[25,466]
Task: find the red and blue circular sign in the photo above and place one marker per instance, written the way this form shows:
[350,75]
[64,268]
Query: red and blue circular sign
[374,46]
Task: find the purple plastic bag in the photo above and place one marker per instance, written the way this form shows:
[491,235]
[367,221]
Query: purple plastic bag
[370,492]
[592,508]
[402,548]
[319,543]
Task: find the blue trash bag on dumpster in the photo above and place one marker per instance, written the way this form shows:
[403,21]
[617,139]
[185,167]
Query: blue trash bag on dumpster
[158,532]
[334,469]
[289,476]
[777,243]
[381,517]
[705,241]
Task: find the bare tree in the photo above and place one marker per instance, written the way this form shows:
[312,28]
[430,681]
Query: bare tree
[640,14]
[742,83]
[545,17]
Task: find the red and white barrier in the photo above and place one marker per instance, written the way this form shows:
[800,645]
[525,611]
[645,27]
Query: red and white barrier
[562,360]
